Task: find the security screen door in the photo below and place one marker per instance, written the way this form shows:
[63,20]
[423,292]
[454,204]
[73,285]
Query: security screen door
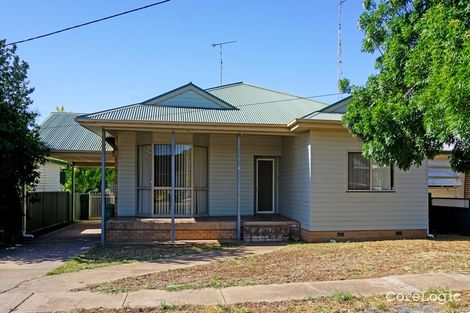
[264,185]
[162,180]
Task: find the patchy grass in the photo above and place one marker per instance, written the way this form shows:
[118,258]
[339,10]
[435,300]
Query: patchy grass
[314,262]
[314,305]
[341,296]
[119,254]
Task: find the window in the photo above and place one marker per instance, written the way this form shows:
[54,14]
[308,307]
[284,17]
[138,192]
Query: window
[364,174]
[440,174]
[162,181]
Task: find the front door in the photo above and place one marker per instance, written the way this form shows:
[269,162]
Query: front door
[265,185]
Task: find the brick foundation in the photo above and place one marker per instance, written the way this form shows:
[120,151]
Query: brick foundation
[148,230]
[254,229]
[362,235]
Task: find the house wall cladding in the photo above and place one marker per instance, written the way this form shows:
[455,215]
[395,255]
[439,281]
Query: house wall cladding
[49,179]
[294,179]
[222,167]
[127,173]
[333,208]
[223,170]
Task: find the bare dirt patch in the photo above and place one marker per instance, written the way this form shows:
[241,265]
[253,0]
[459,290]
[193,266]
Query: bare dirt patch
[115,254]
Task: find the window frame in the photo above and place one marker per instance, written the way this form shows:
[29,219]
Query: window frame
[392,177]
[168,188]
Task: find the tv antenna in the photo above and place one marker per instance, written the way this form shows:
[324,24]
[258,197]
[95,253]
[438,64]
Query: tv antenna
[340,48]
[221,44]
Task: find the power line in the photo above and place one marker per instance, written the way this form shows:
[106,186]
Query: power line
[189,110]
[88,23]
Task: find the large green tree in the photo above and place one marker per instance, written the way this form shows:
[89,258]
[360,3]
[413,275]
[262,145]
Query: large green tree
[21,150]
[419,99]
[87,179]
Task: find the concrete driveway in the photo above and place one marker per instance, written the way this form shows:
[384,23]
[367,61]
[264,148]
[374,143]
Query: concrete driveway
[33,259]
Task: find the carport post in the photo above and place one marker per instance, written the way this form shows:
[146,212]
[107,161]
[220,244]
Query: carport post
[238,189]
[73,192]
[173,184]
[103,186]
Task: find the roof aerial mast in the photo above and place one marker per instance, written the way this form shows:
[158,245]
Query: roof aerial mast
[221,44]
[340,48]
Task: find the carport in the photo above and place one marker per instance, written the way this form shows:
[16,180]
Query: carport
[78,146]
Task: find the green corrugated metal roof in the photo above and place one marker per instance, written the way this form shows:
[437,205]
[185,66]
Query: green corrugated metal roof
[324,116]
[254,105]
[333,112]
[60,132]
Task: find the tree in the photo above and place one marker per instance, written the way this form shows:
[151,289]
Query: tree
[419,100]
[87,179]
[21,150]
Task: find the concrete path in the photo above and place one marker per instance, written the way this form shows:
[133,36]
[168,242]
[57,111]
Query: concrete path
[33,259]
[23,268]
[66,301]
[69,281]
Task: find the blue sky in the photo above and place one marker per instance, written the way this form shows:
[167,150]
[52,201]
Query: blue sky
[285,45]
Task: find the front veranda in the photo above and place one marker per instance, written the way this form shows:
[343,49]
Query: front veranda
[207,180]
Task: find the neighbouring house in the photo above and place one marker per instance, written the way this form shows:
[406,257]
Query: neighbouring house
[50,176]
[284,162]
[444,182]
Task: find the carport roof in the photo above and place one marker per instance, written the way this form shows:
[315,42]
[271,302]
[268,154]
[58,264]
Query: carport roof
[60,132]
[71,142]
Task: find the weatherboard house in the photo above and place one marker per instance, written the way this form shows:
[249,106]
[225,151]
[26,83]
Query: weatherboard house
[244,161]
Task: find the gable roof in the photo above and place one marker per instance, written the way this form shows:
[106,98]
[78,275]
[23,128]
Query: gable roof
[333,112]
[60,132]
[249,104]
[190,96]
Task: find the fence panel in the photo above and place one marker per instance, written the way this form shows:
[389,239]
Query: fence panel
[35,211]
[47,209]
[449,216]
[76,207]
[94,206]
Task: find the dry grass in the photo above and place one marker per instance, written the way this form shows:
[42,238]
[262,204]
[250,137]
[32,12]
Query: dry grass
[115,254]
[320,305]
[311,262]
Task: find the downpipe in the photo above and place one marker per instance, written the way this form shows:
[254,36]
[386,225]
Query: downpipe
[23,231]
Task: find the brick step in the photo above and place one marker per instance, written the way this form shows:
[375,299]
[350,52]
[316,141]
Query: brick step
[270,231]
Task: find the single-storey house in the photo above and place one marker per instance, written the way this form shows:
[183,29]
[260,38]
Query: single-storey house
[50,176]
[278,160]
[444,182]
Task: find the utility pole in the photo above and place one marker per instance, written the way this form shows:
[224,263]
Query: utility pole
[221,44]
[340,48]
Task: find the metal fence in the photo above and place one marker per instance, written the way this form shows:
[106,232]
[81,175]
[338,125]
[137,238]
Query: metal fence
[88,205]
[449,216]
[47,209]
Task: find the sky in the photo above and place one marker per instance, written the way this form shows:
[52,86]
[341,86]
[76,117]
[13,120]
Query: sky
[284,45]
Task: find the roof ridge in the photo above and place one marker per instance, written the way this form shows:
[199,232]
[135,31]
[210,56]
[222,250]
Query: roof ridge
[286,93]
[224,86]
[57,112]
[271,90]
[86,115]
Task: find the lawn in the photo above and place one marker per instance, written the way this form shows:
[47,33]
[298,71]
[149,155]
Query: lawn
[310,262]
[339,303]
[108,255]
